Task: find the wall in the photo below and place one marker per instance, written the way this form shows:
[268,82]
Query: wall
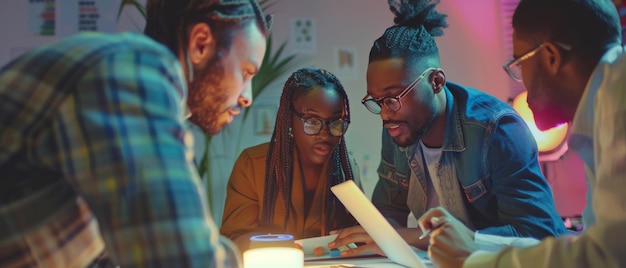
[14,25]
[356,24]
[471,51]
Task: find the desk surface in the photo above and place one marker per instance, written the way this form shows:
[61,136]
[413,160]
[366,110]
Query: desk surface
[373,263]
[360,262]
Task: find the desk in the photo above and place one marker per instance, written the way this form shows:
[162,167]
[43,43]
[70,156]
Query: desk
[365,262]
[362,261]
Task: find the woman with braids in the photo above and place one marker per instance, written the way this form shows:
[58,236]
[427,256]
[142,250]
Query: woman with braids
[447,145]
[283,186]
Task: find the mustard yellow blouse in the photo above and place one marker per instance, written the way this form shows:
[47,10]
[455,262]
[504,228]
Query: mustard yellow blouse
[244,199]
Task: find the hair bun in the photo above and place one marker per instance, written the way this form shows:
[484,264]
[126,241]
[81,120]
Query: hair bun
[418,13]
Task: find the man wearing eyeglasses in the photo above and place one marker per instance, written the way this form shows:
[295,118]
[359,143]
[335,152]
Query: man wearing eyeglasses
[447,145]
[568,54]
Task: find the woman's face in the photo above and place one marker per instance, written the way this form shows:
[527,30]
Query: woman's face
[325,104]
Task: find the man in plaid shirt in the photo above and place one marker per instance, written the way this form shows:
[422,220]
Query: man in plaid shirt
[96,162]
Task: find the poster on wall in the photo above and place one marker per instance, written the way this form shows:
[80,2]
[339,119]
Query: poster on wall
[41,17]
[346,65]
[86,15]
[303,35]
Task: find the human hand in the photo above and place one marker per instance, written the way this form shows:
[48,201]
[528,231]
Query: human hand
[357,235]
[451,242]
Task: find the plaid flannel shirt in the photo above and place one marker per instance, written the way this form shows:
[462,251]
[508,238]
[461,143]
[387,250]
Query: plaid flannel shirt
[98,120]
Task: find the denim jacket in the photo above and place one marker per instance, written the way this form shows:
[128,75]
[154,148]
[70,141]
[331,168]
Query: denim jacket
[489,149]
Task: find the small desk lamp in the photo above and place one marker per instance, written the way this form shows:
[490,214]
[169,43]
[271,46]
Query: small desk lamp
[273,251]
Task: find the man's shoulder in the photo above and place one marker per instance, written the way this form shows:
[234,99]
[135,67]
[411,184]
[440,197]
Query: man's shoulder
[477,105]
[474,95]
[85,48]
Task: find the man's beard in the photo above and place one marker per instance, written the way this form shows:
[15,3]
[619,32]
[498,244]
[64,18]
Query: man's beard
[547,112]
[417,135]
[206,97]
[548,118]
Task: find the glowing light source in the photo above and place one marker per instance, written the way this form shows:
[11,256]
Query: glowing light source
[273,257]
[550,142]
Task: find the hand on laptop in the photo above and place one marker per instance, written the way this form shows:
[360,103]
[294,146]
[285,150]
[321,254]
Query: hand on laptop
[451,242]
[357,235]
[366,244]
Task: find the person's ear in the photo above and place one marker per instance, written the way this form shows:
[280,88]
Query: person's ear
[553,58]
[438,80]
[202,43]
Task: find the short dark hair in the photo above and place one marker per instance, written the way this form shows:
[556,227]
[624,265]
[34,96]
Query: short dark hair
[167,21]
[416,22]
[589,26]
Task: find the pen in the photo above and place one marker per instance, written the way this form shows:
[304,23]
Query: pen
[427,232]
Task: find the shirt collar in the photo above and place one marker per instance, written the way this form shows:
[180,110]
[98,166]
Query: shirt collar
[583,119]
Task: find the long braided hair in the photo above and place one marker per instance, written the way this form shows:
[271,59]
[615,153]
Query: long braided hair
[279,165]
[167,21]
[416,22]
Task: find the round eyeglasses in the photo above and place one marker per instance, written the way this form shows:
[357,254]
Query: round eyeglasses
[394,103]
[312,125]
[513,67]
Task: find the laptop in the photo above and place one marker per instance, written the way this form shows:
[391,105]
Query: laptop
[385,236]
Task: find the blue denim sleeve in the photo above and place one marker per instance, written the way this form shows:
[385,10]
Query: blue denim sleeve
[389,197]
[524,198]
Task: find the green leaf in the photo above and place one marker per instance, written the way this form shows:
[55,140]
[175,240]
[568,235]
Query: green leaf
[119,10]
[137,5]
[204,168]
[141,9]
[274,66]
[266,4]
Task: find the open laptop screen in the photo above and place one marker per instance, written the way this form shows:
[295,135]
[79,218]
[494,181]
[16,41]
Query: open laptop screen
[376,225]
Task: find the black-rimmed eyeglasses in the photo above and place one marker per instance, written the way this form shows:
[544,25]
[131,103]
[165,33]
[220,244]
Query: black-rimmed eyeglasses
[312,125]
[513,67]
[394,103]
